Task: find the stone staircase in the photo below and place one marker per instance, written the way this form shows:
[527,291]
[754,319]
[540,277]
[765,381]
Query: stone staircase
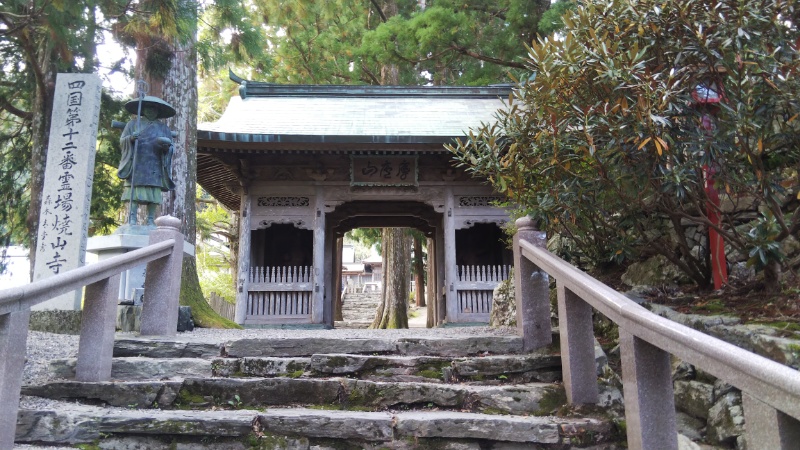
[358,309]
[468,392]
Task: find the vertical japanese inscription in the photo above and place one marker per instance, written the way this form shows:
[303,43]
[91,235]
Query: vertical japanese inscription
[64,216]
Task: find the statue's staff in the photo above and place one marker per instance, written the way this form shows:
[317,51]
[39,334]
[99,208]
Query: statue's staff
[141,88]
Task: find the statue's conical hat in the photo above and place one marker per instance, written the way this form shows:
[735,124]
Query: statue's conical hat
[164,109]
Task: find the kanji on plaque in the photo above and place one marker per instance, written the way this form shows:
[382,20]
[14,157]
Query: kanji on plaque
[383,170]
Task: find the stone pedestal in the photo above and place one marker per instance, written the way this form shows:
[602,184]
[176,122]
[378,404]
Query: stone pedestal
[126,239]
[131,281]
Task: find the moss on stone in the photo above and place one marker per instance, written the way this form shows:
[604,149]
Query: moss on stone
[335,362]
[552,399]
[296,374]
[431,373]
[90,446]
[186,400]
[294,366]
[495,411]
[265,441]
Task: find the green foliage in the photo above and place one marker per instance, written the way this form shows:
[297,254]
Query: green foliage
[763,245]
[38,40]
[367,237]
[457,42]
[353,42]
[603,143]
[215,233]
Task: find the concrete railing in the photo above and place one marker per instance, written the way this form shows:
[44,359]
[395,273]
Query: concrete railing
[770,391]
[96,345]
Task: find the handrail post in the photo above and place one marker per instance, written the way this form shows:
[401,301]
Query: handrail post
[162,283]
[13,342]
[767,427]
[98,323]
[577,347]
[649,398]
[532,290]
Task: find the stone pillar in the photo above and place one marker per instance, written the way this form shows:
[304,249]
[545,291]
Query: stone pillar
[450,269]
[96,345]
[67,190]
[577,347]
[243,270]
[13,342]
[767,427]
[649,398]
[318,294]
[532,288]
[162,285]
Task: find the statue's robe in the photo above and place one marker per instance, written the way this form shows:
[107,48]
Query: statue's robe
[152,173]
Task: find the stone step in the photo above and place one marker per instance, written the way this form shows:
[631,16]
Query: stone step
[339,393]
[539,366]
[463,346]
[302,428]
[353,324]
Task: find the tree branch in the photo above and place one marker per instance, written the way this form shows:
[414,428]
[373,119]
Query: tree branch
[478,56]
[7,106]
[379,10]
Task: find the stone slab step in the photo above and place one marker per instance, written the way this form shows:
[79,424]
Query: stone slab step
[462,346]
[81,424]
[352,324]
[345,393]
[164,348]
[538,366]
[140,368]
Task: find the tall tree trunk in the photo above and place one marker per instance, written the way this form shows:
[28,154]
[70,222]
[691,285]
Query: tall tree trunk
[393,310]
[419,273]
[178,87]
[41,57]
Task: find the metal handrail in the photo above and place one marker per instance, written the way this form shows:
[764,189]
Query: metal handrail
[24,297]
[773,383]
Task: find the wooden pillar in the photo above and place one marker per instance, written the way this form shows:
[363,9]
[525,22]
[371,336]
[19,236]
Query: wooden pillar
[243,269]
[441,291]
[337,280]
[318,294]
[450,270]
[328,283]
[431,286]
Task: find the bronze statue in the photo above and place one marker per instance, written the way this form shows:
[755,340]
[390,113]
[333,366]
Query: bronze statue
[146,163]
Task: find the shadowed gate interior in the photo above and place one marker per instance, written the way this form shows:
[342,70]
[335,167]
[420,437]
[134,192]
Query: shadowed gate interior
[483,260]
[379,214]
[282,264]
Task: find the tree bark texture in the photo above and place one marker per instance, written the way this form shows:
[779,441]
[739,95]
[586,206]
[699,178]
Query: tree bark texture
[40,132]
[179,88]
[393,310]
[419,273]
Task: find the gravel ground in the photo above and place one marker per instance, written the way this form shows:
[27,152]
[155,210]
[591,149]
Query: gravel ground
[43,347]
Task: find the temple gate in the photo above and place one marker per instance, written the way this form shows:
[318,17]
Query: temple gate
[302,165]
